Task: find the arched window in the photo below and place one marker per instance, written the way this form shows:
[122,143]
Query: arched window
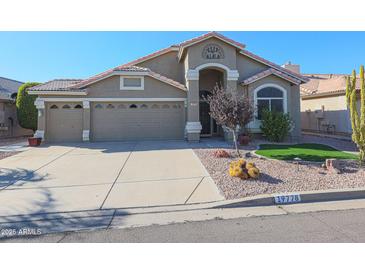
[78,106]
[165,106]
[271,98]
[54,107]
[66,107]
[99,106]
[155,106]
[144,106]
[133,106]
[121,106]
[110,106]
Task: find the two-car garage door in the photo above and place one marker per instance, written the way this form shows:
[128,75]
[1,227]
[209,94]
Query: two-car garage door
[116,121]
[137,121]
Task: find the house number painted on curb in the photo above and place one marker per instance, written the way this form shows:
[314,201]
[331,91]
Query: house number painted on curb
[287,199]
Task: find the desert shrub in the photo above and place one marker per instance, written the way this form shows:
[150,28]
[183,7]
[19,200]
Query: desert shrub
[275,126]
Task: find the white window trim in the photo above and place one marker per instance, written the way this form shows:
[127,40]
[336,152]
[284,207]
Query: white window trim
[256,123]
[122,87]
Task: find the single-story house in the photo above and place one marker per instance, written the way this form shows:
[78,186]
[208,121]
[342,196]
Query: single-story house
[160,96]
[323,104]
[9,126]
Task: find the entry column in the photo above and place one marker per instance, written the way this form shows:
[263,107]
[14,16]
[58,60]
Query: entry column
[41,121]
[193,126]
[86,121]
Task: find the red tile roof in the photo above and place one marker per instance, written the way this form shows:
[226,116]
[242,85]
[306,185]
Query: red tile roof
[210,35]
[152,55]
[56,85]
[325,84]
[129,69]
[268,72]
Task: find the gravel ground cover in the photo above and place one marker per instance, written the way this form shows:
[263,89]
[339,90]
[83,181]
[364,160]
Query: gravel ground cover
[10,141]
[278,176]
[4,154]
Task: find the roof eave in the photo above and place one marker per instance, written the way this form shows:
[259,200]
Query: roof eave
[293,81]
[56,92]
[324,94]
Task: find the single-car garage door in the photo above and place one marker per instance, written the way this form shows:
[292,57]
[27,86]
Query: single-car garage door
[64,122]
[112,121]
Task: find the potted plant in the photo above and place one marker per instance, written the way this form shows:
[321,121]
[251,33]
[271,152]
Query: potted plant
[27,112]
[244,139]
[34,141]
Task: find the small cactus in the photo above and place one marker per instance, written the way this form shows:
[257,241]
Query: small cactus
[253,172]
[357,115]
[250,165]
[243,170]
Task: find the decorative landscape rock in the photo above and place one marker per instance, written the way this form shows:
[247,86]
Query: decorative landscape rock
[333,165]
[221,153]
[243,170]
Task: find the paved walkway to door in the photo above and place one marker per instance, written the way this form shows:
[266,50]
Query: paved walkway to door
[77,177]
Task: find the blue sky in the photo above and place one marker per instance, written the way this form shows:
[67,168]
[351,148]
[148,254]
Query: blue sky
[42,56]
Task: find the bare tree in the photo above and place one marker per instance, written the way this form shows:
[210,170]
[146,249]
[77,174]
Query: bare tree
[230,110]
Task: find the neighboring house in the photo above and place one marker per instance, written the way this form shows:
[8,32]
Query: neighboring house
[159,96]
[9,126]
[323,104]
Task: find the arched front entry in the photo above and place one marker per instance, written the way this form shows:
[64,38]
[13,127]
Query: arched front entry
[199,80]
[208,79]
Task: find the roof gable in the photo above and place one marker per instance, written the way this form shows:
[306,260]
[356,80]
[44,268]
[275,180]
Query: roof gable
[207,36]
[123,70]
[268,72]
[273,65]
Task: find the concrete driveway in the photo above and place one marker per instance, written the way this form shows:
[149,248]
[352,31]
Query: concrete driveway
[63,178]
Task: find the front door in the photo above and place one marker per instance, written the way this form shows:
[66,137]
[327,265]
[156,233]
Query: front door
[205,119]
[209,126]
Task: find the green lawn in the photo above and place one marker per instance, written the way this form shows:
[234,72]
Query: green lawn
[307,152]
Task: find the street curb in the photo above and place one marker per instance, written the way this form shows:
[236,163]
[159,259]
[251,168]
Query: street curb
[255,201]
[305,197]
[58,222]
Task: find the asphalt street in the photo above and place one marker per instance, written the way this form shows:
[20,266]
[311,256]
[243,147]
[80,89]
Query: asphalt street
[325,226]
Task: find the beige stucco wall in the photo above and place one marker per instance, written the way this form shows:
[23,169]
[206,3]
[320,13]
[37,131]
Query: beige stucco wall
[166,65]
[248,67]
[8,109]
[335,112]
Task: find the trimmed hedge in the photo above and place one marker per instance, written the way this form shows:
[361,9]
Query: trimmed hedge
[26,110]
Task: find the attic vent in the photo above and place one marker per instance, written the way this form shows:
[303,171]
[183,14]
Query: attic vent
[212,51]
